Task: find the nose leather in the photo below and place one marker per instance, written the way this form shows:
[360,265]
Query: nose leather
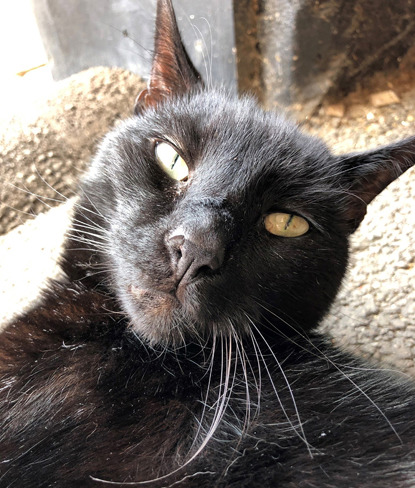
[194,256]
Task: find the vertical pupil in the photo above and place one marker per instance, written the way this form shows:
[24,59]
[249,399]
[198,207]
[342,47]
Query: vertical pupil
[174,161]
[287,224]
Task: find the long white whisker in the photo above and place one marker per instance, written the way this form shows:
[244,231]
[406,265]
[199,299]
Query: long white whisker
[38,197]
[207,390]
[223,399]
[259,382]
[208,75]
[50,186]
[103,237]
[322,354]
[300,434]
[209,52]
[297,413]
[97,212]
[241,353]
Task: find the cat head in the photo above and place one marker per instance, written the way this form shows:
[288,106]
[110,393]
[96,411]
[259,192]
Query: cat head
[214,217]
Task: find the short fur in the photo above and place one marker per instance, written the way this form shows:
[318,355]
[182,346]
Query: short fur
[180,349]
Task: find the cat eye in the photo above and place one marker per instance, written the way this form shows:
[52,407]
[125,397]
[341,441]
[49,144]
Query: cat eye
[171,162]
[286,225]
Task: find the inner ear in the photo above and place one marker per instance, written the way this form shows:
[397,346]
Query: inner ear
[172,72]
[365,175]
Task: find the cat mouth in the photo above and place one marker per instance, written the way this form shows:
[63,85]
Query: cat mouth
[146,294]
[153,303]
[178,301]
[162,303]
[159,316]
[176,293]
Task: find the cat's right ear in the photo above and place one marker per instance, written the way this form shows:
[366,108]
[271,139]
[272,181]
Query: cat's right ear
[172,72]
[366,174]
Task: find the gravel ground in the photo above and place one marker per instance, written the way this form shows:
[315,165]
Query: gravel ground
[374,313]
[45,147]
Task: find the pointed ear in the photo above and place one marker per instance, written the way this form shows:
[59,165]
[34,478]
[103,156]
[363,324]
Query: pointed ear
[172,72]
[367,174]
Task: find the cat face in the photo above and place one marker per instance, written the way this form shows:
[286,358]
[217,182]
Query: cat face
[217,215]
[196,255]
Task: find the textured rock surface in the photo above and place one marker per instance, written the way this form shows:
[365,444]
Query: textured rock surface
[374,314]
[44,150]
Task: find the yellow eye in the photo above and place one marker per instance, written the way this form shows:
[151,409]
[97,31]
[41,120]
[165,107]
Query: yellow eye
[171,161]
[286,225]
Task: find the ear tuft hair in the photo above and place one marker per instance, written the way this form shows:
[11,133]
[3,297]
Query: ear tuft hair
[172,72]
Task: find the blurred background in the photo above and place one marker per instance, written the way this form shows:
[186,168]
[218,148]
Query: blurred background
[296,54]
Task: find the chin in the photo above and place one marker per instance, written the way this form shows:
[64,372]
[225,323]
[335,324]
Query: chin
[161,319]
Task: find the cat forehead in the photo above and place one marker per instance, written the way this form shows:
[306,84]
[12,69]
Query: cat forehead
[221,126]
[213,113]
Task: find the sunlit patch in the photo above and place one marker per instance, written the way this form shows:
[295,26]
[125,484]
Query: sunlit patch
[286,225]
[171,162]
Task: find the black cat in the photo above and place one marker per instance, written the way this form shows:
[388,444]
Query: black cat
[210,238]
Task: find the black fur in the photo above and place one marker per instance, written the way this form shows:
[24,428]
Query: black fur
[132,371]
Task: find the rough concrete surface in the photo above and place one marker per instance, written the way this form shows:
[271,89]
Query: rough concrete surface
[45,148]
[28,256]
[374,314]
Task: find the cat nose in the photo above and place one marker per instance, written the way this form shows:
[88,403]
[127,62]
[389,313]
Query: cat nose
[194,256]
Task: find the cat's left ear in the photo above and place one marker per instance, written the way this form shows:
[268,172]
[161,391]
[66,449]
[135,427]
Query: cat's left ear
[365,175]
[172,72]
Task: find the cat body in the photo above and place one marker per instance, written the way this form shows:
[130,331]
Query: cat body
[86,401]
[209,240]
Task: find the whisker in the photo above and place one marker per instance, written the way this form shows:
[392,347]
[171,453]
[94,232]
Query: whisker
[38,197]
[300,434]
[259,382]
[207,389]
[31,214]
[209,51]
[97,212]
[50,186]
[84,232]
[222,402]
[329,360]
[207,64]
